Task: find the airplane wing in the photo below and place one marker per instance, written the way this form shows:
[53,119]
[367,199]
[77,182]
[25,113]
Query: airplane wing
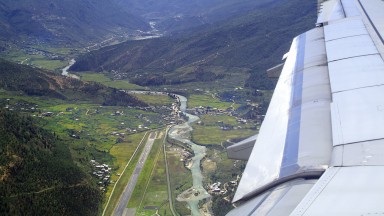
[320,149]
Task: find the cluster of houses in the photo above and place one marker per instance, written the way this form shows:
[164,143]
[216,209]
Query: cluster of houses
[169,119]
[169,114]
[19,106]
[185,155]
[114,133]
[120,36]
[117,113]
[26,107]
[103,173]
[215,188]
[52,56]
[47,114]
[219,188]
[211,111]
[215,111]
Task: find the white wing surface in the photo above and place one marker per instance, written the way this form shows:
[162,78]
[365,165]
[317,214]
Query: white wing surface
[295,139]
[320,150]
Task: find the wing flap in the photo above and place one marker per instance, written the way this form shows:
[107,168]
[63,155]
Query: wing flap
[277,201]
[299,112]
[345,191]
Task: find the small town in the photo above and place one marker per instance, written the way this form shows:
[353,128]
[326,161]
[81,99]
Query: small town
[103,173]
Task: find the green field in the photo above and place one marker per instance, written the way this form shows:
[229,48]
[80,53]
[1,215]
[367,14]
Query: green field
[209,100]
[156,100]
[58,50]
[209,131]
[44,62]
[99,126]
[36,60]
[101,78]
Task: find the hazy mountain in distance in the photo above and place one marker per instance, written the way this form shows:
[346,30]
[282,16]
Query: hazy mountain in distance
[252,42]
[62,22]
[175,15]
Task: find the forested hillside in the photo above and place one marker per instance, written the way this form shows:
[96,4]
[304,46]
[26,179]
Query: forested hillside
[37,82]
[176,15]
[37,174]
[76,22]
[252,42]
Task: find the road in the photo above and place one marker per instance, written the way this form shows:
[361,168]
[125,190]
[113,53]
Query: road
[124,199]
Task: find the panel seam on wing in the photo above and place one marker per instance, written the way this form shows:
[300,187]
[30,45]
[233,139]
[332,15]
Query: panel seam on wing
[315,192]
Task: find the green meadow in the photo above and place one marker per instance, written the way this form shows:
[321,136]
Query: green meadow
[103,79]
[209,130]
[208,100]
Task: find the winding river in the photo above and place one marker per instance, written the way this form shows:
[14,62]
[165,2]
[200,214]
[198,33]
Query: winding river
[65,70]
[182,133]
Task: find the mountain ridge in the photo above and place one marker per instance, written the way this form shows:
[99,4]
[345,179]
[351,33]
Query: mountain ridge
[74,21]
[252,42]
[175,15]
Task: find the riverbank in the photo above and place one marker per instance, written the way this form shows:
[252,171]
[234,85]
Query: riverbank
[182,133]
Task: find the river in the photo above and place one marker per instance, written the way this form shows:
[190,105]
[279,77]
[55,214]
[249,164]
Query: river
[65,70]
[182,133]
